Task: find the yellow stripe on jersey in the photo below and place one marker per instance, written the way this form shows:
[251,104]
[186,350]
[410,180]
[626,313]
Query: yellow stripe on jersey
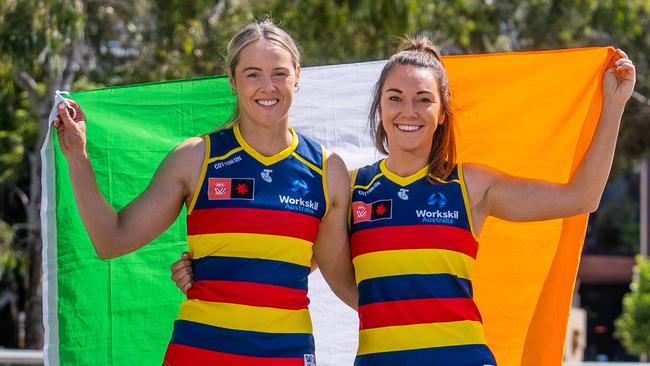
[226,155]
[258,246]
[245,317]
[324,179]
[463,187]
[402,181]
[306,162]
[204,166]
[266,160]
[369,184]
[416,336]
[411,261]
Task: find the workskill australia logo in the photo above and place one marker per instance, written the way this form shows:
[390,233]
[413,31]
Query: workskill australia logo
[299,186]
[437,200]
[377,210]
[299,204]
[231,188]
[438,216]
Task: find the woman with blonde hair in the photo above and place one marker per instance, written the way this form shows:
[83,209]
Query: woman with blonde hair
[261,199]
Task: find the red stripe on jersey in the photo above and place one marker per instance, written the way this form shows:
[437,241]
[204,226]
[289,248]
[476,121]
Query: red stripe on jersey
[181,355]
[252,220]
[420,311]
[249,293]
[413,237]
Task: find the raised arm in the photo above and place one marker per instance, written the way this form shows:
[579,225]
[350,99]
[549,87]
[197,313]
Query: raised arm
[332,246]
[117,233]
[515,199]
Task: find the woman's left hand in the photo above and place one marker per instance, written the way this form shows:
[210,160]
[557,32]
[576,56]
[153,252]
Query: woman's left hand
[619,81]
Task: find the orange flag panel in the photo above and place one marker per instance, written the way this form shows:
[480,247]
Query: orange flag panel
[532,115]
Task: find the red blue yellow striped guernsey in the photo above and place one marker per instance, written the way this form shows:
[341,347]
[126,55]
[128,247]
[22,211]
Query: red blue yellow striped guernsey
[413,251]
[251,227]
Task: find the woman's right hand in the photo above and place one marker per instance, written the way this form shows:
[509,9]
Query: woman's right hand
[71,131]
[182,273]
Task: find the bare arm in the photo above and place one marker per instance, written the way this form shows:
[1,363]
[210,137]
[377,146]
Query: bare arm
[114,234]
[332,246]
[516,199]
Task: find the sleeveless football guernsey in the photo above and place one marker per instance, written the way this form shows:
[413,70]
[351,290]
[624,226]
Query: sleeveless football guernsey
[413,250]
[251,226]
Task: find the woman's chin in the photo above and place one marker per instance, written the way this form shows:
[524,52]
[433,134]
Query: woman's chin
[409,149]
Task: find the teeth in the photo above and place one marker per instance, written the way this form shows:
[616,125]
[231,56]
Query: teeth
[408,128]
[267,102]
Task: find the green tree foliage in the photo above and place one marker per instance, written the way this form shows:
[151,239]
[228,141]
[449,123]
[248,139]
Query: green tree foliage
[633,326]
[47,45]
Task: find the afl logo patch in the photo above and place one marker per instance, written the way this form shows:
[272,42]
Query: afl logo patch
[231,188]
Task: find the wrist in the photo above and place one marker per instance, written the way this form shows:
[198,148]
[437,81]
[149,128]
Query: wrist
[78,160]
[614,109]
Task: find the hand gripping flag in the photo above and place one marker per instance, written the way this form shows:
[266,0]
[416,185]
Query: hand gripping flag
[528,114]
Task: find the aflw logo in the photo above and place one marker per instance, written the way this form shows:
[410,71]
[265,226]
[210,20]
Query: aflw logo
[362,211]
[231,188]
[220,190]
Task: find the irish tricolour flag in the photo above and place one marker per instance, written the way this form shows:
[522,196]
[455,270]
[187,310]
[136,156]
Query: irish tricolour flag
[528,114]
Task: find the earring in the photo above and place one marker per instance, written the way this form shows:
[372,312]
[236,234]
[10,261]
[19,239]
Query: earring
[233,91]
[296,89]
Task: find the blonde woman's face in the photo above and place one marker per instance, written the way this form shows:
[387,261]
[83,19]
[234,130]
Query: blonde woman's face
[410,109]
[265,79]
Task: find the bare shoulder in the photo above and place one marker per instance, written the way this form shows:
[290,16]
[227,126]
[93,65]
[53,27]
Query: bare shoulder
[478,180]
[187,155]
[192,148]
[183,164]
[478,172]
[337,172]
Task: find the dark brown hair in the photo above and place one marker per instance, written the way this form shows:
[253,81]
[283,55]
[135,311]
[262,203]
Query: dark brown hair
[420,52]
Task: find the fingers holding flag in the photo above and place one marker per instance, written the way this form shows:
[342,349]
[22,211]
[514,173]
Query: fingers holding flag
[70,125]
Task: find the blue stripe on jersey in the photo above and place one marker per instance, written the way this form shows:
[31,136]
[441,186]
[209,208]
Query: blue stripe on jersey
[366,174]
[310,151]
[222,142]
[265,271]
[427,203]
[412,287]
[266,195]
[242,342]
[466,355]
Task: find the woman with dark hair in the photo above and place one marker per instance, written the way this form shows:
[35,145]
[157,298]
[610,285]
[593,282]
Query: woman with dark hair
[417,214]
